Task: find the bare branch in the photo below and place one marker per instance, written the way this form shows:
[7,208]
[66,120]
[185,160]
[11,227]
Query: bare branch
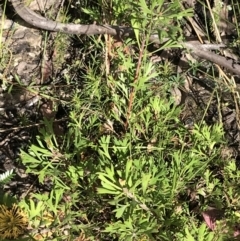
[196,48]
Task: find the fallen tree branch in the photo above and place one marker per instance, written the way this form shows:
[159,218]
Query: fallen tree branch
[200,51]
[40,22]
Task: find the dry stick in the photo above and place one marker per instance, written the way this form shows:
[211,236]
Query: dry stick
[195,27]
[31,125]
[40,22]
[132,94]
[218,36]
